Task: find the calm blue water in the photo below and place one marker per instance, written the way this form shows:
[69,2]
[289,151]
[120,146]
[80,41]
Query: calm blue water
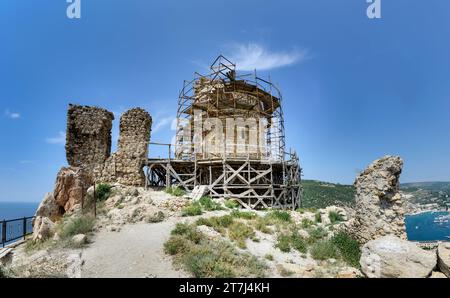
[422,227]
[12,210]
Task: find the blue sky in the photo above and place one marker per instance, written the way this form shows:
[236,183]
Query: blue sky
[354,89]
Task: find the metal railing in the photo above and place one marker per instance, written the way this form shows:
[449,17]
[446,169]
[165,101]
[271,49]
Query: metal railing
[15,229]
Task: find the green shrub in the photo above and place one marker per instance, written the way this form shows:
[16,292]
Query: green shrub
[217,223]
[323,250]
[261,224]
[283,243]
[239,232]
[317,234]
[306,223]
[318,217]
[75,225]
[175,191]
[102,192]
[299,243]
[335,217]
[231,204]
[208,204]
[175,245]
[278,215]
[190,232]
[193,209]
[243,214]
[348,248]
[268,257]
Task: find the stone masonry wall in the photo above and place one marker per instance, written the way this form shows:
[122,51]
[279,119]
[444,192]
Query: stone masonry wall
[379,205]
[125,166]
[88,136]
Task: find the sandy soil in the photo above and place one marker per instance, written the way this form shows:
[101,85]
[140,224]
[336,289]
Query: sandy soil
[135,251]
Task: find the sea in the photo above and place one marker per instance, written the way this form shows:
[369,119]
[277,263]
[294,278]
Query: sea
[428,226]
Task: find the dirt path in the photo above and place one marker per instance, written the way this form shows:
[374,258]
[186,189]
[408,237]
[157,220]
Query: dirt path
[135,251]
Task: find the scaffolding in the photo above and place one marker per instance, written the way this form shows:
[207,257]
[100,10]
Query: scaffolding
[230,138]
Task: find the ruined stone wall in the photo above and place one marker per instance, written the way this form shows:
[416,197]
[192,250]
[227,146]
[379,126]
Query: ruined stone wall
[88,135]
[379,205]
[125,166]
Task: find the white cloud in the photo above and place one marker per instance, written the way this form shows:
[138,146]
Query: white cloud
[12,115]
[161,123]
[59,140]
[253,56]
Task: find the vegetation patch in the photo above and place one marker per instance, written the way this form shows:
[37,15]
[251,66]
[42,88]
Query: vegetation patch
[217,223]
[175,191]
[156,217]
[243,214]
[335,217]
[102,192]
[239,232]
[306,223]
[74,225]
[193,209]
[283,243]
[319,194]
[232,204]
[323,250]
[348,248]
[318,217]
[316,234]
[283,271]
[261,224]
[278,215]
[208,204]
[204,258]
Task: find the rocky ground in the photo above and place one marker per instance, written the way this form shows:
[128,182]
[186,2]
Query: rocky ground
[132,225]
[151,233]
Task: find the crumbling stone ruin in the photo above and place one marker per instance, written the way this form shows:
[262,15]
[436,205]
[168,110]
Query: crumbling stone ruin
[379,206]
[88,151]
[88,135]
[125,166]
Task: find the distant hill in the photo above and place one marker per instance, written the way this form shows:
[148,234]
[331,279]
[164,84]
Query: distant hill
[319,194]
[428,193]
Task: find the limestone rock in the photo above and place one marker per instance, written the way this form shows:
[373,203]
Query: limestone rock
[393,257]
[71,187]
[79,239]
[49,208]
[437,274]
[444,258]
[379,205]
[43,229]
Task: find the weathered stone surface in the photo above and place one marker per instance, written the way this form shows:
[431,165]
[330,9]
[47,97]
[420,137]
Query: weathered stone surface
[444,258]
[88,135]
[49,208]
[79,239]
[125,166]
[71,187]
[379,205]
[391,256]
[43,228]
[437,274]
